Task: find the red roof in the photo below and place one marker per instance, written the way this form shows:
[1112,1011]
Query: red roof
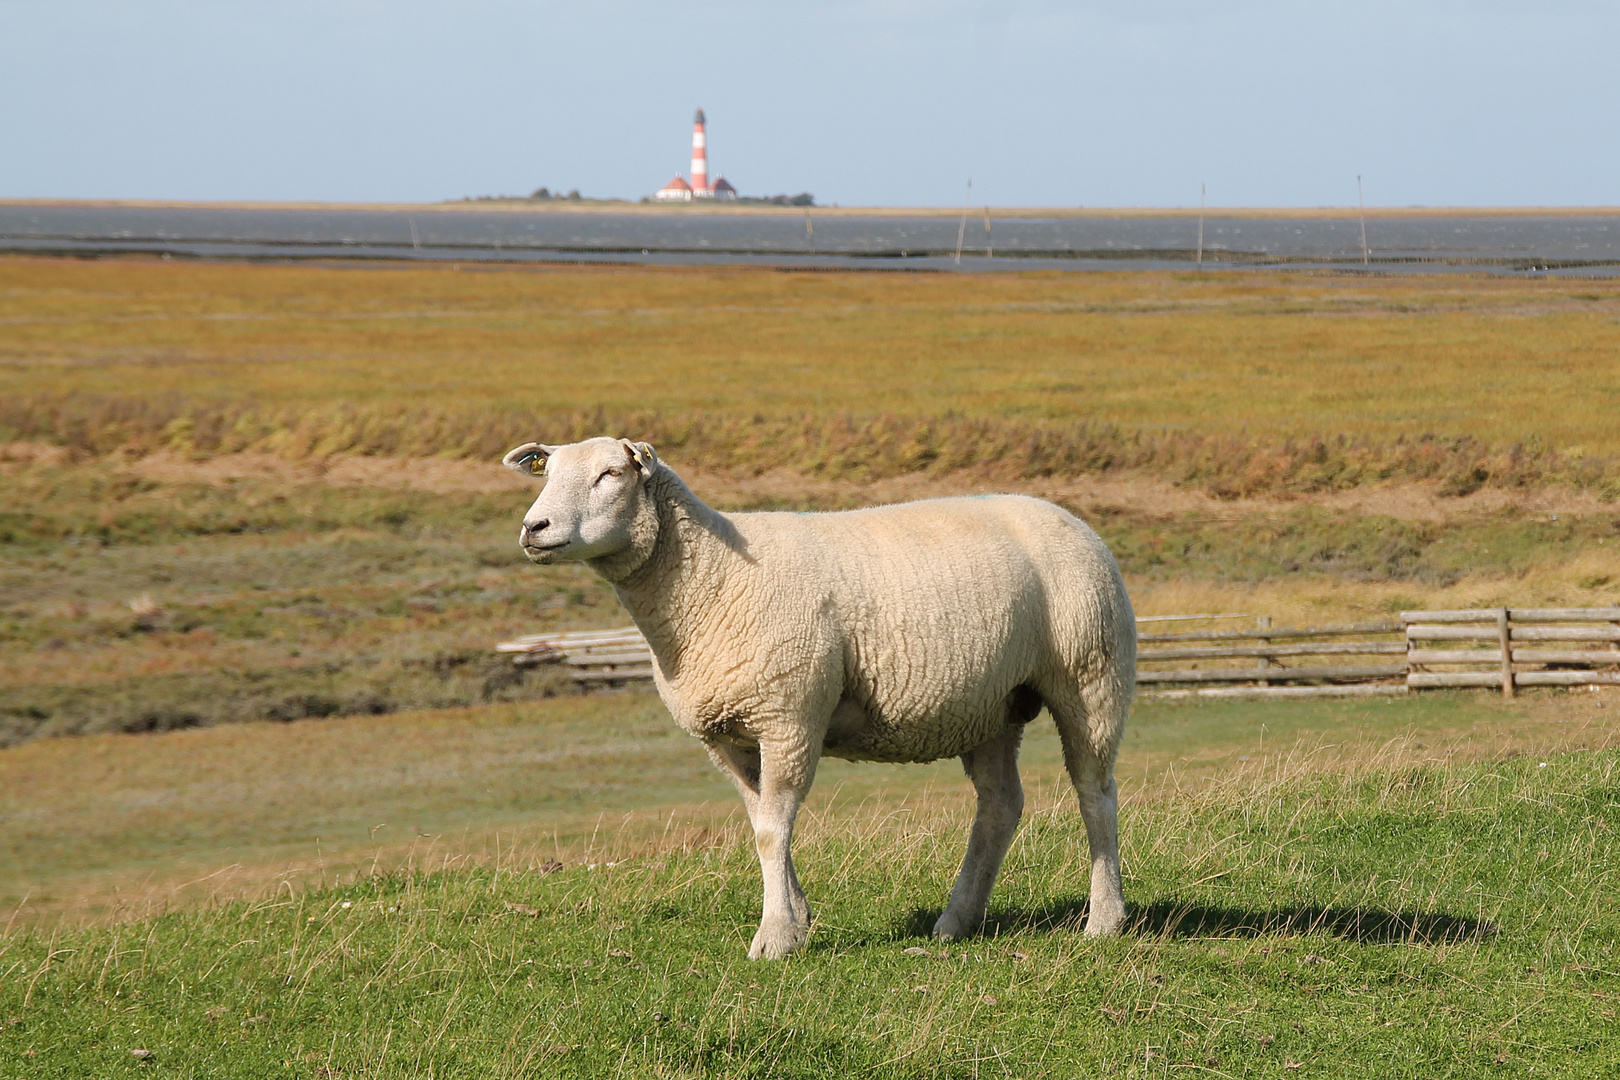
[676,184]
[722,184]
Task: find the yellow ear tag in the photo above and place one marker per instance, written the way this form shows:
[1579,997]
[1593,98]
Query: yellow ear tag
[537,465]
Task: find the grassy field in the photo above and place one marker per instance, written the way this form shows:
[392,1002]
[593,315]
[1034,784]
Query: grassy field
[138,600]
[267,493]
[298,605]
[239,492]
[1425,920]
[121,825]
[1243,383]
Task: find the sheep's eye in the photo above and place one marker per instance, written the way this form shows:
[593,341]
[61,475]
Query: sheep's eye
[608,473]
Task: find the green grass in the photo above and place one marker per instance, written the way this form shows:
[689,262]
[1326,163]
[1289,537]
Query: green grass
[1433,920]
[110,825]
[99,825]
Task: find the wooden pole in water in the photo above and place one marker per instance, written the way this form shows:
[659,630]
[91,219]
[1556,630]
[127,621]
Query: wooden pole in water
[1363,208]
[989,248]
[1201,226]
[961,232]
[415,243]
[809,231]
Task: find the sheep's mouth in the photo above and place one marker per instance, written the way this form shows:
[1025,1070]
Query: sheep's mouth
[541,549]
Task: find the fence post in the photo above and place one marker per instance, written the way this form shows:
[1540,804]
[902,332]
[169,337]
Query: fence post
[1507,651]
[1264,623]
[1406,632]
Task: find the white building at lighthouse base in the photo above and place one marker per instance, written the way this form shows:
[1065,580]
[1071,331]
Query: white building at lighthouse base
[678,190]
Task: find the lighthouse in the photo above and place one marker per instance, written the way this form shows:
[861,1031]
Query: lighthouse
[678,190]
[700,156]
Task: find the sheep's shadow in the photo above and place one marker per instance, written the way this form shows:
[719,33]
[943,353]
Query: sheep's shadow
[1177,919]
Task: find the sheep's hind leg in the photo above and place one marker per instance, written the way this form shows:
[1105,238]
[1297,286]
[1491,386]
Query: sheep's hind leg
[1090,734]
[993,768]
[773,785]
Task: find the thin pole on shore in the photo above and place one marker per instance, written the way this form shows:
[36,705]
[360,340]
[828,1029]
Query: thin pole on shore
[1201,187]
[961,231]
[1362,206]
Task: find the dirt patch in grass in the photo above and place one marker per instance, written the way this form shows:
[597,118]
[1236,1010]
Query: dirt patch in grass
[1149,495]
[435,475]
[1146,495]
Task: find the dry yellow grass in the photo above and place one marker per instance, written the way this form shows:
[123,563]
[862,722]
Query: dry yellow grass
[1263,357]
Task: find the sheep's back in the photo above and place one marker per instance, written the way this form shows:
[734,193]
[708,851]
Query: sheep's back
[942,607]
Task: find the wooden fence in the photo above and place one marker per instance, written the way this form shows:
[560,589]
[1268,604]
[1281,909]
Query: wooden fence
[1522,647]
[603,657]
[1422,650]
[1354,660]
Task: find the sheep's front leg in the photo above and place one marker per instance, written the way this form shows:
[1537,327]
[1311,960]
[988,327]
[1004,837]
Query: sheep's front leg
[993,768]
[773,782]
[741,764]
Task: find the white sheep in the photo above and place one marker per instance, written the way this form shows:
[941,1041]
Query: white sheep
[900,633]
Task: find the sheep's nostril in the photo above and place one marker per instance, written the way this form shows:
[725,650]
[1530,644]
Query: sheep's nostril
[535,527]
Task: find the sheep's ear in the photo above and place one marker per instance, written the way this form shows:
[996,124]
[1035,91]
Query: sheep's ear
[645,457]
[528,459]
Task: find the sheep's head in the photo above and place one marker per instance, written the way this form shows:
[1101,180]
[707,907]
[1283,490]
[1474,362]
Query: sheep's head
[595,502]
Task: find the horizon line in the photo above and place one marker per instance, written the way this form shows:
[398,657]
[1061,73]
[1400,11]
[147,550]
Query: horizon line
[609,205]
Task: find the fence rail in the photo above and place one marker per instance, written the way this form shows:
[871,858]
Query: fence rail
[1510,667]
[1267,661]
[1295,662]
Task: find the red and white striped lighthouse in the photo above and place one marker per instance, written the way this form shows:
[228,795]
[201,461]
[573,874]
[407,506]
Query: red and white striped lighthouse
[677,190]
[700,157]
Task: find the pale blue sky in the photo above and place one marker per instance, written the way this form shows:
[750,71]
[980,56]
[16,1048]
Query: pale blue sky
[1436,102]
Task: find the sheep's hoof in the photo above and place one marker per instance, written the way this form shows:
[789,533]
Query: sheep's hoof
[775,941]
[951,927]
[1104,924]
